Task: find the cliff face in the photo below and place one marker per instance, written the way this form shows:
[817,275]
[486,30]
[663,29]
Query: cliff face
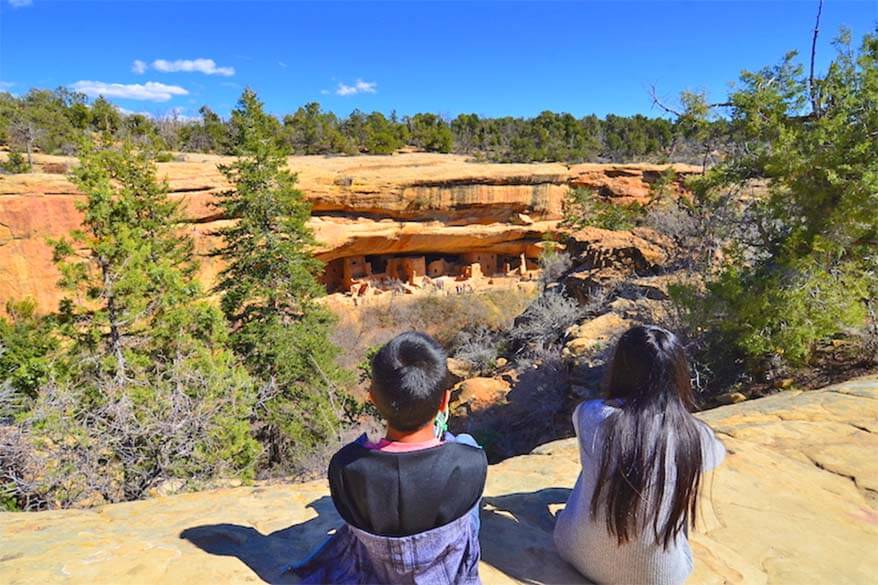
[404,204]
[796,501]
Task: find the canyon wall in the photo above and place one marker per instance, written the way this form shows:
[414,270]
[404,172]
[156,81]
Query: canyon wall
[405,204]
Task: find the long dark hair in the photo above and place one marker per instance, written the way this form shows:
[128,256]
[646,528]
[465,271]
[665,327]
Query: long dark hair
[649,375]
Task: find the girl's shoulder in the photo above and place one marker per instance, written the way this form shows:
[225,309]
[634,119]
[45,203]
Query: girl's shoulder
[591,413]
[597,408]
[713,452]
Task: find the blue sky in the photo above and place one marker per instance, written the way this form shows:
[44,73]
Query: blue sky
[498,58]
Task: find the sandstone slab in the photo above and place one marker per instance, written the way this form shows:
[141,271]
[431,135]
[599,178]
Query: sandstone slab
[794,502]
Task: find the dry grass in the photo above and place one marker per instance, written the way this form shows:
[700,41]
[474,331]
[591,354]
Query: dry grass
[439,315]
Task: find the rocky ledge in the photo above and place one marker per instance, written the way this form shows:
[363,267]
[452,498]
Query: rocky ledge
[796,501]
[417,203]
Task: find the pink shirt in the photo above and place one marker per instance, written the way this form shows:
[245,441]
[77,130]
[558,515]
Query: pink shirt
[396,447]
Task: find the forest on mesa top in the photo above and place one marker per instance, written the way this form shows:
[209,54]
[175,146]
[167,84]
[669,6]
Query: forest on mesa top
[53,122]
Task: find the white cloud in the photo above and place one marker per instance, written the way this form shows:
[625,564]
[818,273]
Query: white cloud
[150,91]
[206,66]
[6,85]
[20,3]
[359,86]
[282,65]
[139,67]
[128,112]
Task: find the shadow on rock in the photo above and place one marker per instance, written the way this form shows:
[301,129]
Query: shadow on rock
[267,555]
[516,537]
[536,411]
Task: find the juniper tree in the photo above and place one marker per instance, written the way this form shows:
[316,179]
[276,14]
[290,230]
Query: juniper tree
[431,133]
[147,389]
[127,264]
[802,262]
[26,342]
[269,290]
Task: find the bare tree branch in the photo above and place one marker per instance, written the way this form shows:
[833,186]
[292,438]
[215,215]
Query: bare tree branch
[657,102]
[812,86]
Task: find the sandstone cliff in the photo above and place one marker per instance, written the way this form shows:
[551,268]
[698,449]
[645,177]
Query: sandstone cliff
[796,501]
[409,203]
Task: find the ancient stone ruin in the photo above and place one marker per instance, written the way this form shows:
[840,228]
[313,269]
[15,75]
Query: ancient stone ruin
[362,276]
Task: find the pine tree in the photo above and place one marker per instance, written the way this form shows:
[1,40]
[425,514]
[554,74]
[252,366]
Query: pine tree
[269,291]
[146,389]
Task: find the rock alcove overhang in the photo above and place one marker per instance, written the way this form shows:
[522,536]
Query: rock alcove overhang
[405,204]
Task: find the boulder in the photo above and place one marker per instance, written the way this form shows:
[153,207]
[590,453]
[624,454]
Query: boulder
[478,394]
[794,502]
[459,369]
[654,288]
[594,335]
[730,398]
[605,258]
[640,250]
[591,283]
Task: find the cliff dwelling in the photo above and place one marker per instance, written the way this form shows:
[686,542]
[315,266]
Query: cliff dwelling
[361,276]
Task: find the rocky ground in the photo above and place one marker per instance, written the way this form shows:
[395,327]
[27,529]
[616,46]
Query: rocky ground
[617,279]
[796,501]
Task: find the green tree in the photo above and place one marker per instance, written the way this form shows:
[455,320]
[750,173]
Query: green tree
[430,132]
[145,390]
[468,132]
[242,129]
[585,208]
[45,123]
[128,257]
[802,265]
[15,163]
[27,341]
[141,130]
[382,136]
[104,116]
[311,131]
[354,128]
[210,134]
[269,290]
[9,106]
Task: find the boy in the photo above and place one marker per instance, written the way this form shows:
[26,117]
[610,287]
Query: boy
[409,501]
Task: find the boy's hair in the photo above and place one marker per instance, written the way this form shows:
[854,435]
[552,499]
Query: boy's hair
[408,380]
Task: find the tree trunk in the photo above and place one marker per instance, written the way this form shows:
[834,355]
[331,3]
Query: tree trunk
[29,145]
[113,318]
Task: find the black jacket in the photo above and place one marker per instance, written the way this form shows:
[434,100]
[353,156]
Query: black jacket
[400,494]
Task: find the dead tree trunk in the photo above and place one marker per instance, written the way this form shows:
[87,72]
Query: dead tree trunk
[812,85]
[29,137]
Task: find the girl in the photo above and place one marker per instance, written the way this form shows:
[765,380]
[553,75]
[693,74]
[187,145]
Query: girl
[642,456]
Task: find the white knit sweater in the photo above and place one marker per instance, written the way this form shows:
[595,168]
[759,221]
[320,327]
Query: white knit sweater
[586,543]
